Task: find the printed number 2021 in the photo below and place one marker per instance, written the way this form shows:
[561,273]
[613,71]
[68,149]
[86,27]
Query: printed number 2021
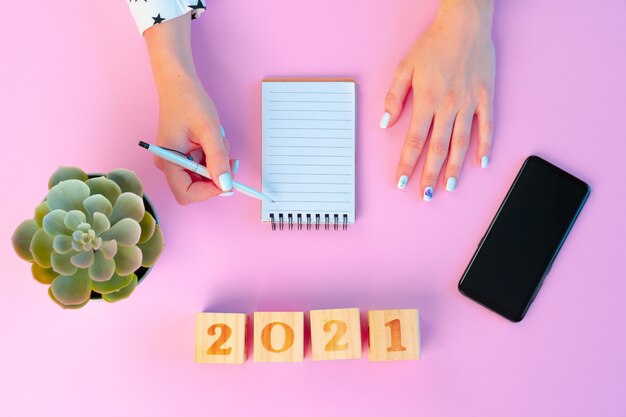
[335,334]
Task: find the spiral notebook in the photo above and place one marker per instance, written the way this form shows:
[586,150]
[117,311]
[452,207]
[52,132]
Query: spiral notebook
[308,151]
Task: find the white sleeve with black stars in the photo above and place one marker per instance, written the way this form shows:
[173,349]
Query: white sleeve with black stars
[148,13]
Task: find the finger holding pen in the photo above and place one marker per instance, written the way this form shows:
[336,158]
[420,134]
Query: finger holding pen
[187,163]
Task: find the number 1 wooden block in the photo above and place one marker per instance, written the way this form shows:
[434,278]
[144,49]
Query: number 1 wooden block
[220,338]
[336,334]
[278,337]
[394,335]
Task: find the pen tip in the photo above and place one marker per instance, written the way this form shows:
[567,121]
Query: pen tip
[144,144]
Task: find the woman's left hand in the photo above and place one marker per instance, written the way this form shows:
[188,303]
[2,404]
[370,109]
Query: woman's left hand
[451,70]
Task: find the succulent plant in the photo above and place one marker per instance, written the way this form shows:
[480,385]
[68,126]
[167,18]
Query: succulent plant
[89,234]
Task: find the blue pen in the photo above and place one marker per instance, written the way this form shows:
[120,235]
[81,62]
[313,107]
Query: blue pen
[188,163]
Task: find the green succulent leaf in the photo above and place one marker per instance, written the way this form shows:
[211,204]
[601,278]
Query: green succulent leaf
[53,223]
[43,275]
[60,304]
[147,227]
[74,219]
[40,211]
[104,187]
[22,238]
[98,203]
[152,249]
[100,223]
[126,232]
[71,290]
[77,236]
[127,180]
[68,195]
[62,264]
[123,293]
[108,249]
[66,173]
[41,248]
[102,268]
[127,260]
[62,244]
[116,283]
[128,205]
[83,260]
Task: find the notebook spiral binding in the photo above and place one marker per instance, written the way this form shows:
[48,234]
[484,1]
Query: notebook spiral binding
[280,222]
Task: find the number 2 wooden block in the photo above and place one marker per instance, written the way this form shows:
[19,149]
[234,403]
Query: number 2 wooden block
[394,335]
[278,337]
[220,338]
[336,334]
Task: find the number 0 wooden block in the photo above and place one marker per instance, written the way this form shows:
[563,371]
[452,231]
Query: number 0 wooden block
[394,335]
[336,334]
[278,337]
[220,338]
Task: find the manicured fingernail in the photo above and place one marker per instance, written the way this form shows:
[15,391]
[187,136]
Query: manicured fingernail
[450,184]
[384,121]
[428,193]
[227,194]
[236,166]
[226,183]
[484,161]
[223,133]
[403,181]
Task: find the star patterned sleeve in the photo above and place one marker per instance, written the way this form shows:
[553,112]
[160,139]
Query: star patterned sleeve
[148,13]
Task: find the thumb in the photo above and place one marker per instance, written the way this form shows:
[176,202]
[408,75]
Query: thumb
[394,101]
[216,156]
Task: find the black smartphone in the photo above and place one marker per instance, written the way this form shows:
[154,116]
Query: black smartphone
[523,239]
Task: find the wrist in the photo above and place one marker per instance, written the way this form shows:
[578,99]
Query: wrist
[468,15]
[173,74]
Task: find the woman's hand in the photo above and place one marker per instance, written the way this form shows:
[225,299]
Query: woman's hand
[451,69]
[188,119]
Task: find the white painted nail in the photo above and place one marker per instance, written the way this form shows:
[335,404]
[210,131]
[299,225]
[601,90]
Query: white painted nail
[450,184]
[236,166]
[226,182]
[227,194]
[223,133]
[428,193]
[384,121]
[484,161]
[403,181]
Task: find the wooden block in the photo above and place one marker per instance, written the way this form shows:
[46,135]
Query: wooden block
[220,338]
[278,337]
[394,335]
[336,334]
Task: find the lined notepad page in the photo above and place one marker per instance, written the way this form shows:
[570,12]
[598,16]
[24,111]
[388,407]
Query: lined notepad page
[309,148]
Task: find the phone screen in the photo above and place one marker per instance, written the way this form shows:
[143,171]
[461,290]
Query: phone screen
[523,239]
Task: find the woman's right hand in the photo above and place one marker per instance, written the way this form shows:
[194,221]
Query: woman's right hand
[188,119]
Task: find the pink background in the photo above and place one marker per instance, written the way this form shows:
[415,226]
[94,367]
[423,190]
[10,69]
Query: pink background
[76,89]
